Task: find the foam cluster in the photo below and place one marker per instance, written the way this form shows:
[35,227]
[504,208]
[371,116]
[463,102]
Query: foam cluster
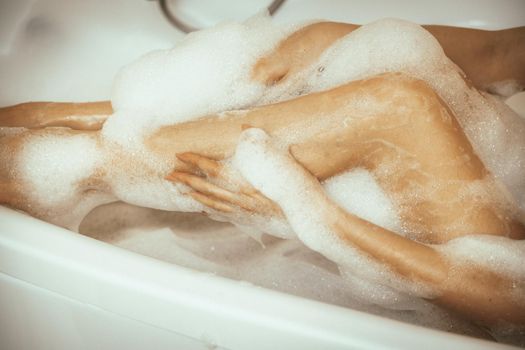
[207,72]
[53,167]
[357,192]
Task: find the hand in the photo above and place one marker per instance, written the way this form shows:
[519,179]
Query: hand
[227,195]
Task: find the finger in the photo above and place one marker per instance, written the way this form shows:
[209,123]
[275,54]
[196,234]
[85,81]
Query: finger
[210,166]
[201,185]
[258,196]
[263,204]
[254,193]
[204,187]
[211,202]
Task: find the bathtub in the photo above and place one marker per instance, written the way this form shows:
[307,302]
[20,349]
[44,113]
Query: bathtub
[62,290]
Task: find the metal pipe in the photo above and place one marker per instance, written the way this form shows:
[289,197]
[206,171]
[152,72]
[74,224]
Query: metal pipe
[170,16]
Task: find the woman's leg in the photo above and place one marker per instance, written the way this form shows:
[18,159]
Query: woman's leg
[403,134]
[34,115]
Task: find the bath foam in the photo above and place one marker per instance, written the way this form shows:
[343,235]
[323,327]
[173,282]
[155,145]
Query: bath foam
[357,192]
[207,72]
[495,253]
[52,167]
[502,256]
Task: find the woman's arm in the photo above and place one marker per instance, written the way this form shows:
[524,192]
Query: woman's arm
[474,292]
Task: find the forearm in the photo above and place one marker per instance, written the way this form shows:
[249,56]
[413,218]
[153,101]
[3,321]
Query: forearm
[472,291]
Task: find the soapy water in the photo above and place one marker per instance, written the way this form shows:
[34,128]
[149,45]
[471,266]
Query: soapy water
[160,89]
[287,265]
